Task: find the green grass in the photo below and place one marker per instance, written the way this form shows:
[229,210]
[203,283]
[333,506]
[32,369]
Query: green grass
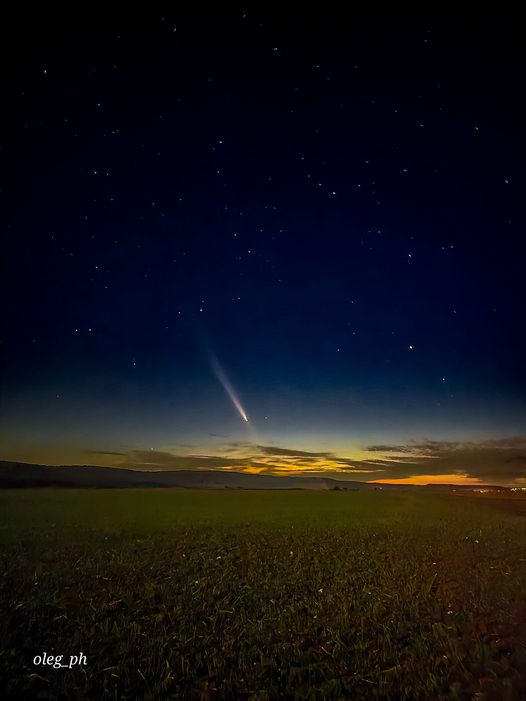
[263,595]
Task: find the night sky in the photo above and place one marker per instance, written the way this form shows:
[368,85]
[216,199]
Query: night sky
[322,215]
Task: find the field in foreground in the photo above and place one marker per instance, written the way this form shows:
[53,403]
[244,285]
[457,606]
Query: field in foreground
[262,595]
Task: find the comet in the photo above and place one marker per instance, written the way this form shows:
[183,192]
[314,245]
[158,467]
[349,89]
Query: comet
[223,379]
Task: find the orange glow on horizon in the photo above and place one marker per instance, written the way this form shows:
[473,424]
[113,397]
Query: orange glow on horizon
[431,479]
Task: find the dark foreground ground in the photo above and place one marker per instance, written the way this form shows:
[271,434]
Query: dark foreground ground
[262,595]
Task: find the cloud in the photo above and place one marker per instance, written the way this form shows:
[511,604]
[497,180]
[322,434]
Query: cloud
[499,461]
[311,458]
[387,448]
[158,460]
[247,457]
[103,452]
[273,450]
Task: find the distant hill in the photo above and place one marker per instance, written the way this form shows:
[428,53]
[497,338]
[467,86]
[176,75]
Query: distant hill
[16,474]
[469,487]
[25,475]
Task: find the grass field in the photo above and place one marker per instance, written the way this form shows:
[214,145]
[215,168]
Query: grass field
[263,595]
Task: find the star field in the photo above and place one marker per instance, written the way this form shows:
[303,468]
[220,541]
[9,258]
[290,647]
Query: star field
[334,207]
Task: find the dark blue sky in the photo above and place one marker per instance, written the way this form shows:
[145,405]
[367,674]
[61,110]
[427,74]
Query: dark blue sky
[331,205]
